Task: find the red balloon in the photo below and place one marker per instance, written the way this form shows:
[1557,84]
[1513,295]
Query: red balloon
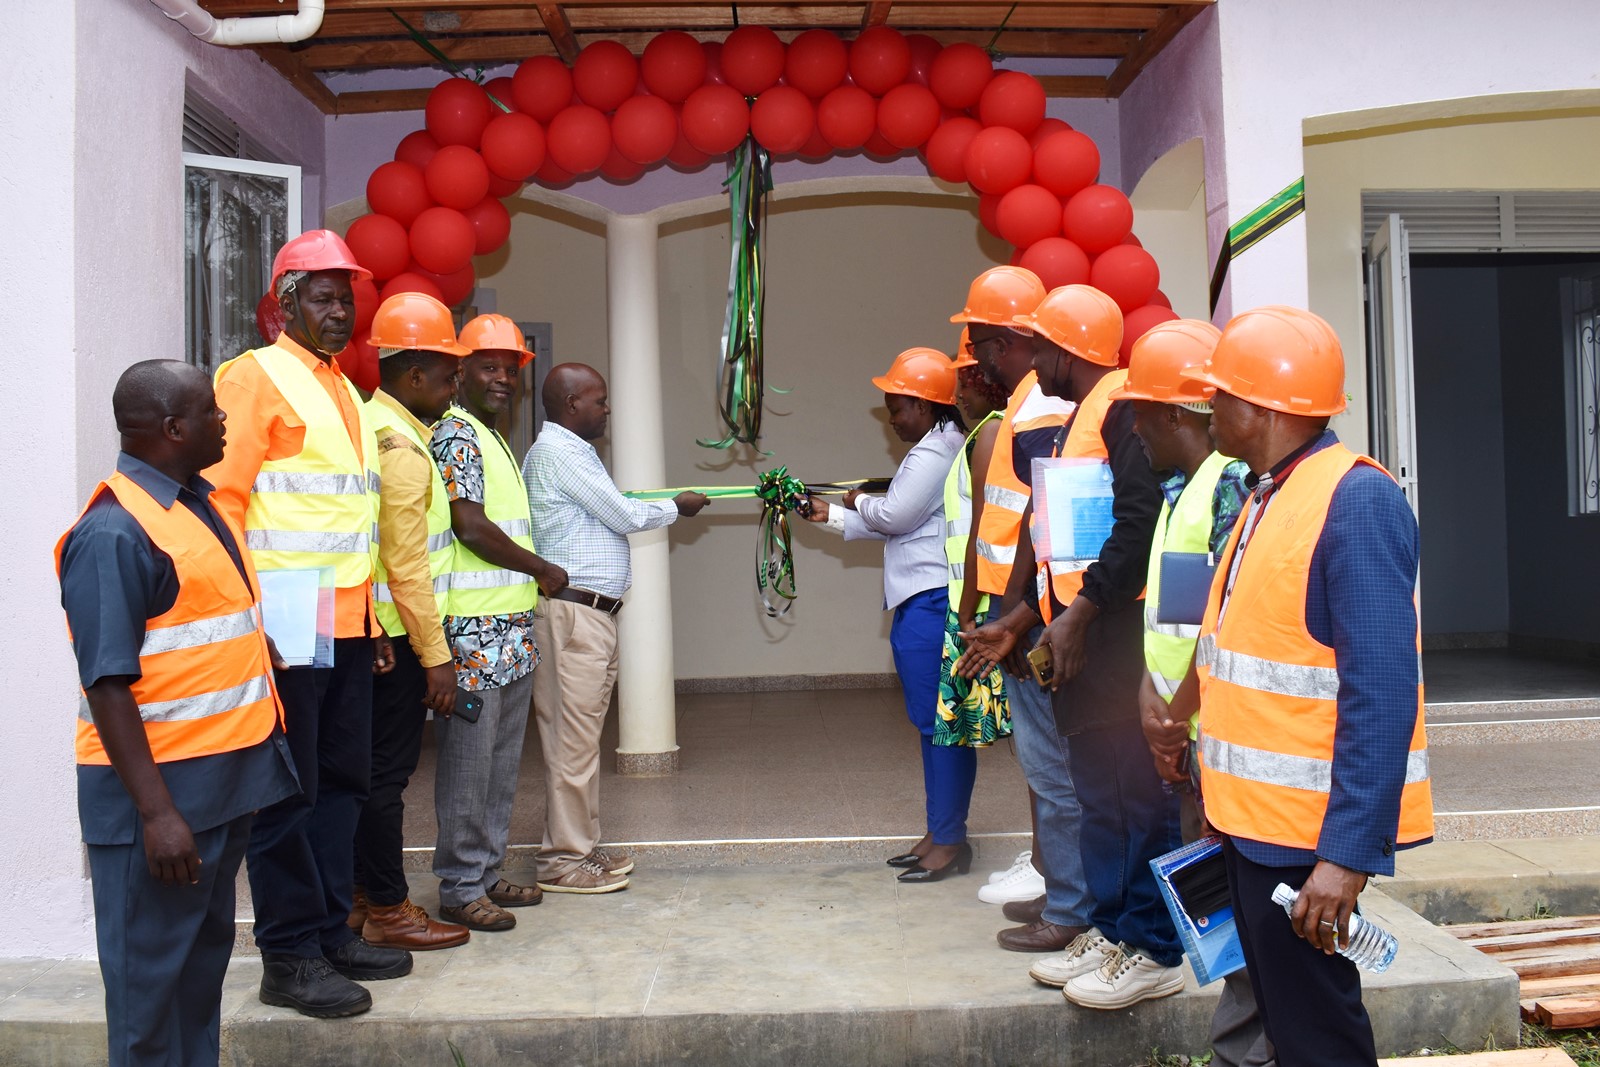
[847,116]
[453,287]
[416,148]
[579,139]
[947,148]
[366,302]
[958,75]
[1097,218]
[783,119]
[399,191]
[500,89]
[645,128]
[1013,99]
[500,188]
[541,87]
[816,63]
[988,208]
[552,176]
[673,66]
[491,225]
[715,119]
[442,240]
[1132,240]
[924,50]
[1045,129]
[880,148]
[1016,257]
[686,156]
[1136,323]
[411,282]
[456,177]
[907,115]
[618,169]
[880,59]
[817,147]
[1057,262]
[605,74]
[752,59]
[998,160]
[1127,274]
[457,111]
[1066,163]
[380,244]
[359,361]
[269,318]
[1161,298]
[513,146]
[713,51]
[1027,214]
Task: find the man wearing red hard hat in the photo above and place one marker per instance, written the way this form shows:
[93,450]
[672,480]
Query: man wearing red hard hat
[300,476]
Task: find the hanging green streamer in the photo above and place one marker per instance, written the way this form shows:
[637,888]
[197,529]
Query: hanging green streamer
[779,495]
[741,378]
[448,63]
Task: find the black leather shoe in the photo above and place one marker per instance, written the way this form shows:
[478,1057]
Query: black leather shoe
[905,859]
[310,987]
[363,962]
[960,863]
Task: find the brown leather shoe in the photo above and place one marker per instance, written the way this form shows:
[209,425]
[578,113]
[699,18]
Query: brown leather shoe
[613,859]
[358,910]
[510,895]
[405,925]
[481,914]
[1038,936]
[1025,911]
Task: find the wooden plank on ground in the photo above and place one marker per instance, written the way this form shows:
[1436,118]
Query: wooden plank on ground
[1550,987]
[1568,1013]
[1550,938]
[1554,966]
[1522,1057]
[1470,931]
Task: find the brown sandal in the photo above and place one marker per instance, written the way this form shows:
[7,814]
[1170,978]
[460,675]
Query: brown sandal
[510,895]
[481,914]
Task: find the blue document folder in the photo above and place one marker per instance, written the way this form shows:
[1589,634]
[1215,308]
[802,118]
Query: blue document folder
[1189,879]
[1185,586]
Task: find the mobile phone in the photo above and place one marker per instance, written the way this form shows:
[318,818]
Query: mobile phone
[469,707]
[1044,668]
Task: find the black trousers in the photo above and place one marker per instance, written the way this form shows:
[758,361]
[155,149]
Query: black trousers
[398,718]
[301,858]
[1310,1003]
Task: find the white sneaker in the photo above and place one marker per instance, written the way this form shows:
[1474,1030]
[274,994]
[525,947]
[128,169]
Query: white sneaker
[1022,882]
[1123,980]
[1086,953]
[1024,859]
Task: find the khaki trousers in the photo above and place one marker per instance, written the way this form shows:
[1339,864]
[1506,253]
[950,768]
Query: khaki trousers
[571,694]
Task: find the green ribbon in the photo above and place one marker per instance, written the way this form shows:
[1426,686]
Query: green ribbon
[741,373]
[448,63]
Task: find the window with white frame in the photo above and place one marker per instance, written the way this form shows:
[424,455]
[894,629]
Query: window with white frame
[239,207]
[1581,300]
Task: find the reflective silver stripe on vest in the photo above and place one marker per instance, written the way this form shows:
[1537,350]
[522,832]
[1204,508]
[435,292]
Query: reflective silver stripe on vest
[319,484]
[308,541]
[1292,772]
[441,540]
[496,579]
[1265,675]
[1009,499]
[374,482]
[1186,630]
[1004,555]
[1167,687]
[516,527]
[958,571]
[200,632]
[953,528]
[196,707]
[381,593]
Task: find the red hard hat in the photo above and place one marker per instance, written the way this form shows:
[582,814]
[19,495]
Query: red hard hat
[1161,355]
[921,372]
[315,250]
[1282,358]
[495,333]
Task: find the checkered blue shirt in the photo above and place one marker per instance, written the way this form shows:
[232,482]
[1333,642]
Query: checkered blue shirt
[581,520]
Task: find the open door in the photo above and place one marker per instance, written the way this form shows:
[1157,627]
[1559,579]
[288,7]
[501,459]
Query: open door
[1393,410]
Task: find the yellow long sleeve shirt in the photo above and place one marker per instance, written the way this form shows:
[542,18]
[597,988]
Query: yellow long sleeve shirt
[403,533]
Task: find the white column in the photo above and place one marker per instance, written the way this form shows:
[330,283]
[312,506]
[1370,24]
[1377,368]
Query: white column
[648,741]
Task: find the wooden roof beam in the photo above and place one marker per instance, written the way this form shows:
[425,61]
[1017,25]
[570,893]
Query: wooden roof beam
[1151,42]
[229,8]
[300,76]
[877,14]
[560,31]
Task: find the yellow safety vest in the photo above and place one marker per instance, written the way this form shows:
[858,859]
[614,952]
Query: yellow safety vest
[476,586]
[441,539]
[319,507]
[958,516]
[1169,646]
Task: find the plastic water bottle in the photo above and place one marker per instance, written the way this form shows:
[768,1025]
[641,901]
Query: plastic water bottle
[1370,946]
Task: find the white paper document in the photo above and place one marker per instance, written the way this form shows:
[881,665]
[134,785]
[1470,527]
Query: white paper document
[1071,509]
[297,610]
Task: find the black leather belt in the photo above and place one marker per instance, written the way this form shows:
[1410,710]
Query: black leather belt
[590,600]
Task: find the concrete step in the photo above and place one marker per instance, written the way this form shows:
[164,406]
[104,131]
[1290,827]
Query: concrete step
[821,964]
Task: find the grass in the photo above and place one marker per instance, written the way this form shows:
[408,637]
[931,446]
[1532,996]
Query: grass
[1582,1045]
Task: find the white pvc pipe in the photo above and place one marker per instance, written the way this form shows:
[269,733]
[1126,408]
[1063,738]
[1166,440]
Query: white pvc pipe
[264,29]
[647,740]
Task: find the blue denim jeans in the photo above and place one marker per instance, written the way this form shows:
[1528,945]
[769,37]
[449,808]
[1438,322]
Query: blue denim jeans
[1042,751]
[948,772]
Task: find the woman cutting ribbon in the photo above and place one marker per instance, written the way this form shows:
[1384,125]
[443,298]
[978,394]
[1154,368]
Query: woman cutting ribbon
[909,518]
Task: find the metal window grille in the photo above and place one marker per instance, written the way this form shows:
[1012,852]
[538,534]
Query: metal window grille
[1582,300]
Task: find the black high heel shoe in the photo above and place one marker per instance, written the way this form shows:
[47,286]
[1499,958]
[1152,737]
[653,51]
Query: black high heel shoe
[905,859]
[960,863]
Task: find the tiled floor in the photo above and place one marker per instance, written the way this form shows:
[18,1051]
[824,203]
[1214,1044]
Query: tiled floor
[1496,674]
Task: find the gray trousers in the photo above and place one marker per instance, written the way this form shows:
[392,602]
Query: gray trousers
[474,788]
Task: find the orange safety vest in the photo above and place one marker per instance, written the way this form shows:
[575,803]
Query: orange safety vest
[1084,441]
[1005,498]
[205,684]
[1269,690]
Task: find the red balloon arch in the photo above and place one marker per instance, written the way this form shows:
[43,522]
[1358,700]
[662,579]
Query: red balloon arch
[683,103]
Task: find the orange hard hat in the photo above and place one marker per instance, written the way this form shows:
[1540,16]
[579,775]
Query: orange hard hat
[922,372]
[495,333]
[1167,349]
[964,356]
[999,295]
[415,322]
[1282,358]
[1080,319]
[315,250]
